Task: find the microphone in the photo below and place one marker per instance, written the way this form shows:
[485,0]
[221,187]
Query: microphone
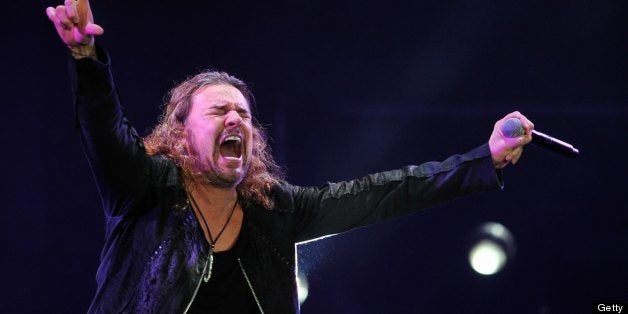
[513,128]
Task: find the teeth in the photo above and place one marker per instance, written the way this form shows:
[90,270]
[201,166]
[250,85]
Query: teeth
[232,138]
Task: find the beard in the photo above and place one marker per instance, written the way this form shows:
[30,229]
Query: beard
[207,171]
[212,175]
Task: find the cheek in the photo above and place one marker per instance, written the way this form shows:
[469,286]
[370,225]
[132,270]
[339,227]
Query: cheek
[249,148]
[201,141]
[251,142]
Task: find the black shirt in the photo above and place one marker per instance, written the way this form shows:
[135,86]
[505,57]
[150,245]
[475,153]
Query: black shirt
[227,290]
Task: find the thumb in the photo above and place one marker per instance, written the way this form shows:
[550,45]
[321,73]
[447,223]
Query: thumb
[86,36]
[93,29]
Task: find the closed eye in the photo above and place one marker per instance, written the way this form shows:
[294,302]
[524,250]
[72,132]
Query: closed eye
[244,113]
[220,110]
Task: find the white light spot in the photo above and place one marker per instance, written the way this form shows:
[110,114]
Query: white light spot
[302,287]
[487,257]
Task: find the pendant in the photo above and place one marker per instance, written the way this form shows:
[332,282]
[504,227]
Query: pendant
[210,264]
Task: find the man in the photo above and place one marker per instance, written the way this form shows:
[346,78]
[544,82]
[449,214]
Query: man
[198,218]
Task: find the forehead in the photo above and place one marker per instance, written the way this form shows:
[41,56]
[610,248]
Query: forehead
[219,95]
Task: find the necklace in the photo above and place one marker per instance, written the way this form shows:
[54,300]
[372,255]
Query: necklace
[207,271]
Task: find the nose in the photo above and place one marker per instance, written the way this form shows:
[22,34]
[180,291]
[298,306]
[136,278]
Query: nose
[232,119]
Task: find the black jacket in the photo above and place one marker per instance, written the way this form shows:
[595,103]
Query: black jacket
[155,251]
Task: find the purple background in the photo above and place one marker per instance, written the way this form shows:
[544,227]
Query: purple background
[347,88]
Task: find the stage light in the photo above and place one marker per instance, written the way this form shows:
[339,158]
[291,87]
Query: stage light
[302,287]
[492,247]
[487,257]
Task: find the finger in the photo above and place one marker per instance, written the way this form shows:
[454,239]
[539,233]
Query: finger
[63,17]
[516,155]
[513,155]
[514,114]
[70,6]
[523,139]
[88,36]
[52,15]
[530,125]
[94,29]
[84,12]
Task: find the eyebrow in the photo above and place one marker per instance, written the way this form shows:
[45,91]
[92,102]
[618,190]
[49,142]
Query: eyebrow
[223,106]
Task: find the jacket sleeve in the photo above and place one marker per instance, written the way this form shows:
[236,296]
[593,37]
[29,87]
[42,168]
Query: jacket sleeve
[338,207]
[113,148]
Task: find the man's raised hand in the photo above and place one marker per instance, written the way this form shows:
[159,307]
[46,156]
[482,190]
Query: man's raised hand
[75,25]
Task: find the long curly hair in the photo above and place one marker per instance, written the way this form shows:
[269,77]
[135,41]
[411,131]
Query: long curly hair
[169,139]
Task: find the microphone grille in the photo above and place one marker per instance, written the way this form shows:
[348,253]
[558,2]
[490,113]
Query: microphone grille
[512,128]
